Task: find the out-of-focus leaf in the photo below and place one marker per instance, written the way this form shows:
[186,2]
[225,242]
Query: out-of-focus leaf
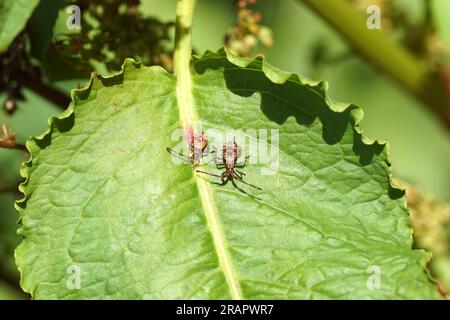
[430,218]
[56,68]
[14,15]
[441,14]
[8,236]
[9,293]
[43,20]
[105,203]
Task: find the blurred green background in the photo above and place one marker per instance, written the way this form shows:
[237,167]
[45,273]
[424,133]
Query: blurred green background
[419,142]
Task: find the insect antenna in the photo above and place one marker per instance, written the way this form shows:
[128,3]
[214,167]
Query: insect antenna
[179,155]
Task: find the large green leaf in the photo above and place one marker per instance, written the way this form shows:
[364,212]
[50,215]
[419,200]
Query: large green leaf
[104,198]
[14,15]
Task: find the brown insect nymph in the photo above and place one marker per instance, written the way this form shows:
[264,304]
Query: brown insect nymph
[198,148]
[230,154]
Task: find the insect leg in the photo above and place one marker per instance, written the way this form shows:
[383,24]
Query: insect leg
[251,185]
[220,166]
[242,165]
[213,149]
[211,174]
[213,159]
[241,190]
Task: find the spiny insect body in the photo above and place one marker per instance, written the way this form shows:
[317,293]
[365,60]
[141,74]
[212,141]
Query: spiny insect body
[230,154]
[198,148]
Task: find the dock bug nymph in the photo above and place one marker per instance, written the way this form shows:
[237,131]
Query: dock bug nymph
[198,148]
[230,154]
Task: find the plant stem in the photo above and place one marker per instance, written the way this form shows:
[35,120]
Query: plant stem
[182,58]
[57,97]
[17,146]
[7,189]
[384,54]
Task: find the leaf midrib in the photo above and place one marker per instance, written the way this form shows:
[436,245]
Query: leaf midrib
[212,217]
[185,98]
[207,200]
